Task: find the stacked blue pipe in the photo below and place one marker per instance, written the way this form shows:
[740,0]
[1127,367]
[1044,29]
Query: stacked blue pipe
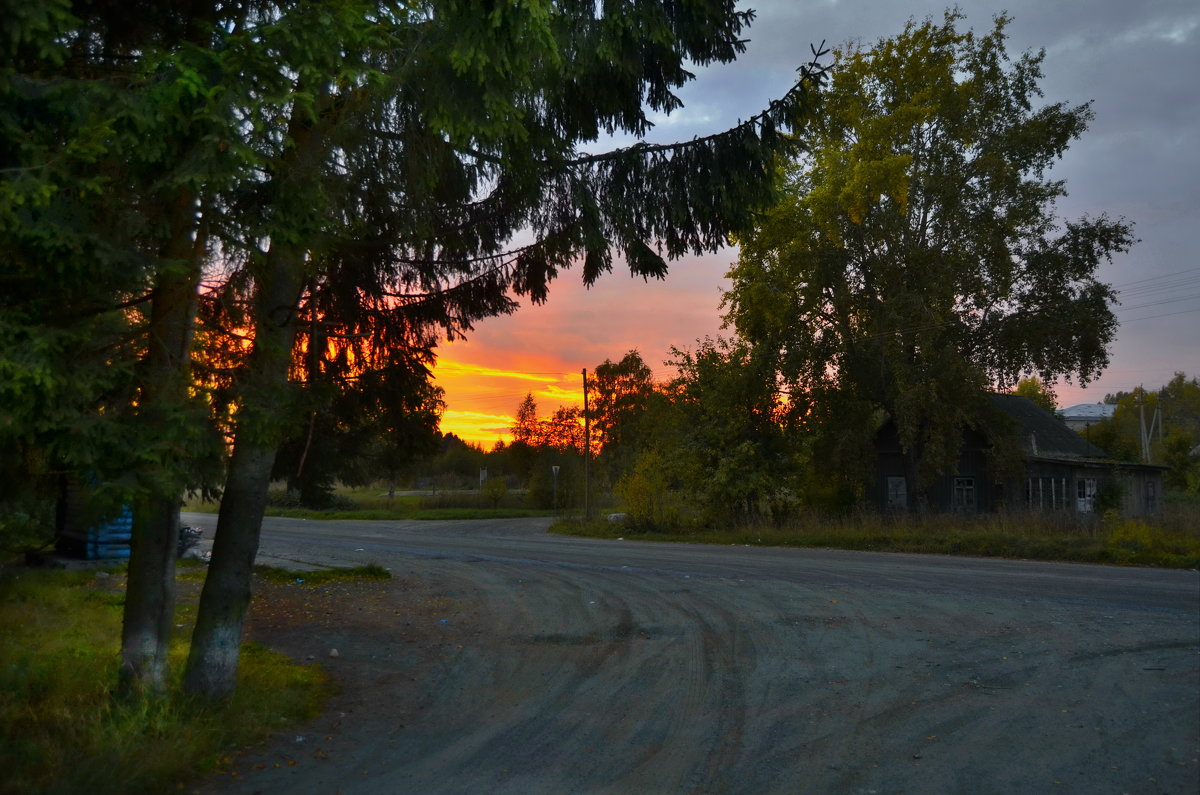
[81,536]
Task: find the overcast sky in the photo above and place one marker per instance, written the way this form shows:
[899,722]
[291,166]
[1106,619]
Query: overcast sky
[1136,62]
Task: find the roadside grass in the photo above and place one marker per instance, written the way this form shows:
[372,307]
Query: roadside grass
[63,731]
[480,513]
[360,514]
[1172,540]
[368,504]
[371,571]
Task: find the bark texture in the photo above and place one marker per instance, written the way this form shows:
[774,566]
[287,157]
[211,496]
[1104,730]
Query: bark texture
[165,378]
[216,641]
[150,597]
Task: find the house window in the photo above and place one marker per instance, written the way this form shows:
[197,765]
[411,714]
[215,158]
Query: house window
[1085,495]
[1151,497]
[1047,493]
[897,494]
[963,498]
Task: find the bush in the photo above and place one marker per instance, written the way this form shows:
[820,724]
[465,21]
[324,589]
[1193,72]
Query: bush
[1133,535]
[494,490]
[540,491]
[645,493]
[1136,541]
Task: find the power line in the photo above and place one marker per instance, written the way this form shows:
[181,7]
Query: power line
[1156,278]
[1165,314]
[1160,303]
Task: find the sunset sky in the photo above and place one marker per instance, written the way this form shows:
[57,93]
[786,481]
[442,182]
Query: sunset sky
[1140,159]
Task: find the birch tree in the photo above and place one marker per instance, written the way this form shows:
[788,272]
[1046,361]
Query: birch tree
[918,258]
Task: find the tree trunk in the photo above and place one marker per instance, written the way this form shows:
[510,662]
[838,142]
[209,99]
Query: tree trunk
[280,279]
[165,377]
[149,597]
[216,641]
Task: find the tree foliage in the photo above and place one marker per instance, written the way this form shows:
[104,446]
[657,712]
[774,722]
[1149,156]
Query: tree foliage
[343,182]
[1168,418]
[917,259]
[111,129]
[1037,391]
[361,428]
[619,391]
[525,425]
[562,431]
[541,444]
[716,443]
[737,447]
[80,246]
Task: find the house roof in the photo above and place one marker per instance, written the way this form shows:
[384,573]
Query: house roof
[1042,434]
[1088,411]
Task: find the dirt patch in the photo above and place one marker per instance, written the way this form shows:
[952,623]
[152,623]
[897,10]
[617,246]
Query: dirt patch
[378,641]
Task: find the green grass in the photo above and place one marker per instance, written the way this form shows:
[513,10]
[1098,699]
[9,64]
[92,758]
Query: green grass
[417,513]
[61,729]
[361,514]
[369,505]
[1172,540]
[479,513]
[323,576]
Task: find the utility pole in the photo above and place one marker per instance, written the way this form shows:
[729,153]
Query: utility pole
[587,449]
[1142,428]
[1160,405]
[1148,433]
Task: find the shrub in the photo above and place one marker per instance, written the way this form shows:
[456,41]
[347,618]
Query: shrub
[494,490]
[645,492]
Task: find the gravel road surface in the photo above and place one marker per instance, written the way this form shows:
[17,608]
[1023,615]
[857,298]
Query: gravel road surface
[505,660]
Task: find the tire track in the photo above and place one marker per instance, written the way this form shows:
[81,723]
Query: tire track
[613,679]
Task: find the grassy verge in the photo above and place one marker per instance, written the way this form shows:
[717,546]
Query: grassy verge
[369,572]
[401,514]
[369,505]
[61,731]
[479,513]
[1172,542]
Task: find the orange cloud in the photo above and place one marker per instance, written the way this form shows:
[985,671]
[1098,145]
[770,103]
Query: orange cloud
[540,350]
[482,400]
[475,426]
[448,367]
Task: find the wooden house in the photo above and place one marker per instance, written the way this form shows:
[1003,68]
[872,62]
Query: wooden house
[1062,471]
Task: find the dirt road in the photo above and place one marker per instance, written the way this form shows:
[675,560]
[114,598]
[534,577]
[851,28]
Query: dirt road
[501,659]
